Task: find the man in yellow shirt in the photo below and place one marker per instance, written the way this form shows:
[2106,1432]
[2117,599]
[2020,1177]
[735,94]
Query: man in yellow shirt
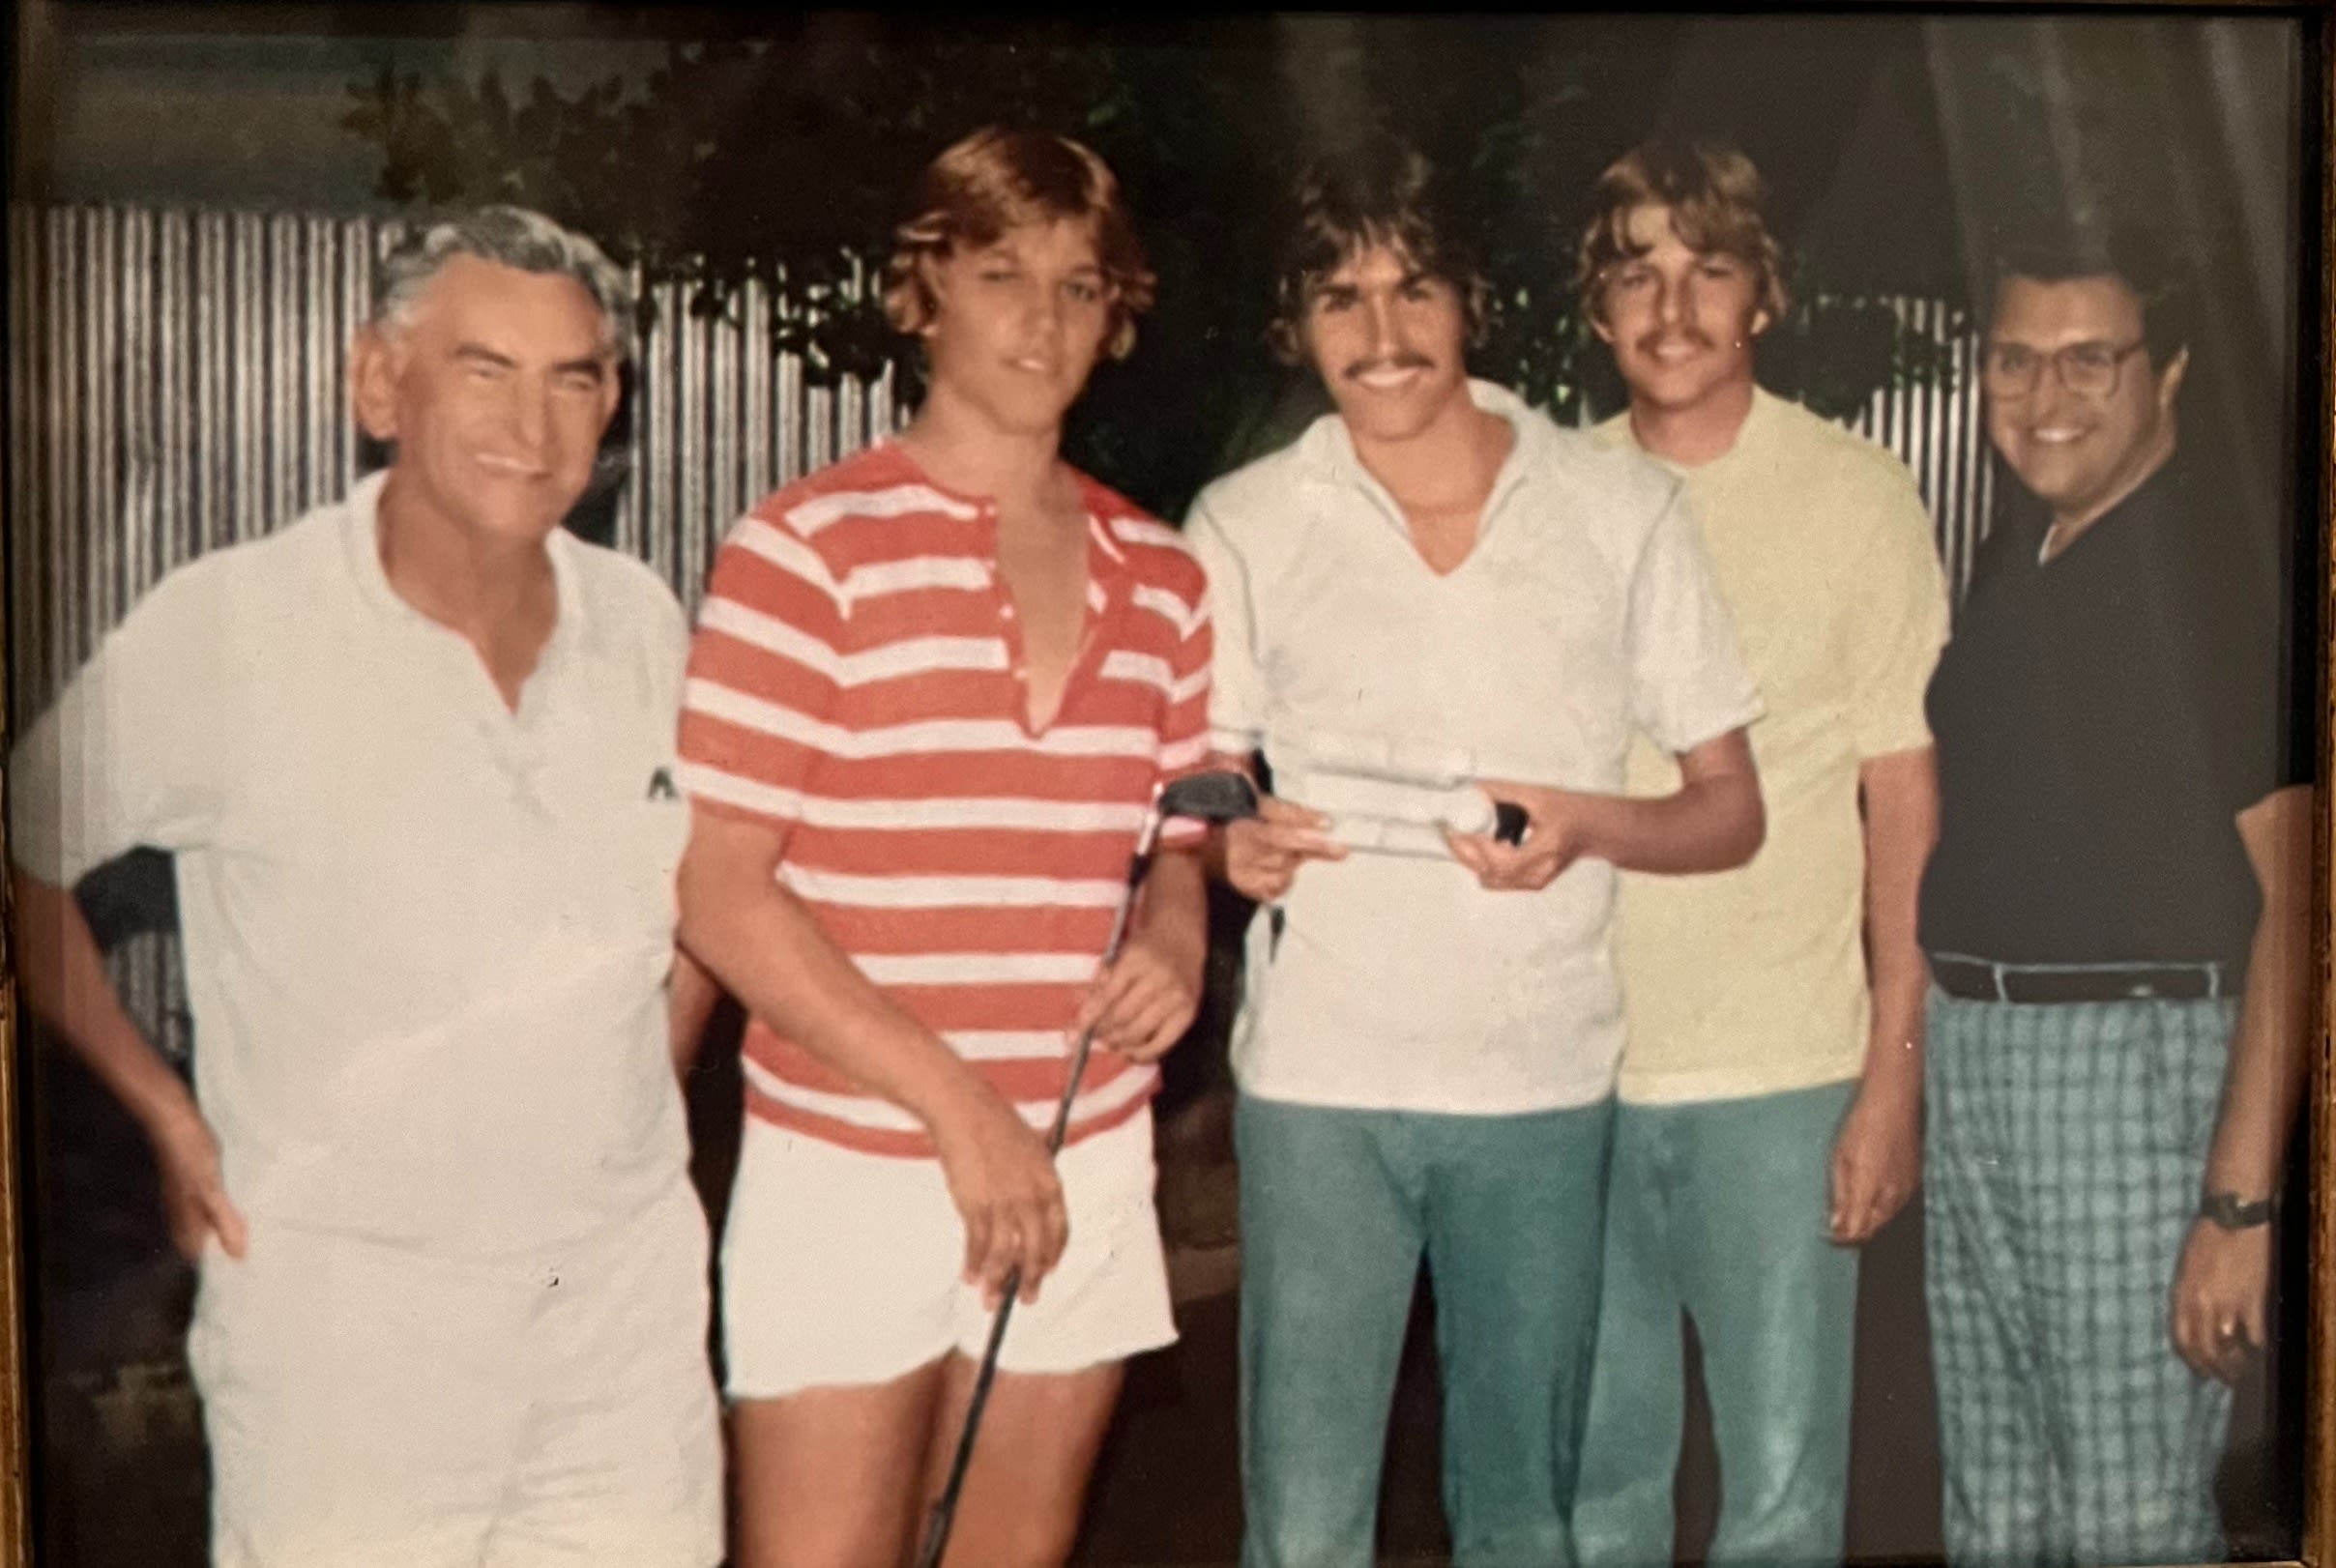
[1770,1092]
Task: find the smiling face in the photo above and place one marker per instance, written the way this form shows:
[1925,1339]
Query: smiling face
[494,391]
[2081,452]
[1017,325]
[1390,344]
[1681,321]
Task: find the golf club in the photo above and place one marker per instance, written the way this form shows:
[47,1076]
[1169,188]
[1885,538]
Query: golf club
[1211,798]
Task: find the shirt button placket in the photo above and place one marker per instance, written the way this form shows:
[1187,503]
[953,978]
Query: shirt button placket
[1008,630]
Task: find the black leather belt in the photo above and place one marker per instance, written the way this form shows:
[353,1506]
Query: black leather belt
[1982,979]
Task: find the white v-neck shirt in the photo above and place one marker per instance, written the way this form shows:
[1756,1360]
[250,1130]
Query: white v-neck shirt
[1583,615]
[426,936]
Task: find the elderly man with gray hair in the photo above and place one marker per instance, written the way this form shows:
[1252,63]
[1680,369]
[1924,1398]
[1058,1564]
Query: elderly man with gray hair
[413,755]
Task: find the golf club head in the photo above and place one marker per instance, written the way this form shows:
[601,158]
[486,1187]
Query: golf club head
[1218,796]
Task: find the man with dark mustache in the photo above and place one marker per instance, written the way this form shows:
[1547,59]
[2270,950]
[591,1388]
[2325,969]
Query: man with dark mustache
[1769,1105]
[1426,1056]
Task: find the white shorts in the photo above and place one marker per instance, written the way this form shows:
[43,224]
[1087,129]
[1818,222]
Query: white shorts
[369,1405]
[843,1269]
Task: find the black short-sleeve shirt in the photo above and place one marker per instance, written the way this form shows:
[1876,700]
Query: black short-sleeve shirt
[2101,719]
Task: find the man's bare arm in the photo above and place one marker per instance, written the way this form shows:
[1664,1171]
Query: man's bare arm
[1142,1005]
[1712,821]
[2220,1287]
[690,995]
[1878,1156]
[65,982]
[765,947]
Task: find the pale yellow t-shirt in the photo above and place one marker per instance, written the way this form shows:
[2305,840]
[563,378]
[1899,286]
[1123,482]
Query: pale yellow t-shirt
[1753,981]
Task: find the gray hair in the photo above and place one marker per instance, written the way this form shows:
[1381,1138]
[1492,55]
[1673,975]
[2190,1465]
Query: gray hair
[509,236]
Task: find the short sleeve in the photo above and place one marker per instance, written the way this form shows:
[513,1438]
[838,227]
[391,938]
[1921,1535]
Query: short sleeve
[137,749]
[763,669]
[1237,707]
[1184,733]
[2250,651]
[1898,610]
[1687,682]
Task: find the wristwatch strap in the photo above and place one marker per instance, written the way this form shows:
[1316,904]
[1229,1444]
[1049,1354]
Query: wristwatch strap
[2227,1210]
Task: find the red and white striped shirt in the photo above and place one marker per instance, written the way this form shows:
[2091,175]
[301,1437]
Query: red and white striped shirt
[858,677]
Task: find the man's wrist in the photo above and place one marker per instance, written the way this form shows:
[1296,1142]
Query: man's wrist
[1596,821]
[1893,1060]
[156,1097]
[1181,944]
[945,1093]
[957,1107]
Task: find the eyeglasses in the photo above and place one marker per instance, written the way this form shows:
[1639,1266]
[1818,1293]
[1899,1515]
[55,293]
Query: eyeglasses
[2089,369]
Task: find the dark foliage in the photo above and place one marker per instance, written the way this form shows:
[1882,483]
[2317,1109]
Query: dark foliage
[1896,153]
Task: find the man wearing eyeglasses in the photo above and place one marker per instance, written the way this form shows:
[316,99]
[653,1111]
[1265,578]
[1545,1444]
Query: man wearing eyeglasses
[2118,923]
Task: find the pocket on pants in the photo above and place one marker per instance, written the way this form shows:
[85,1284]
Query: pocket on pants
[2189,1057]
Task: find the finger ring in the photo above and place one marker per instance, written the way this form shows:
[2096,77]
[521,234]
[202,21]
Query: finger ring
[2229,1330]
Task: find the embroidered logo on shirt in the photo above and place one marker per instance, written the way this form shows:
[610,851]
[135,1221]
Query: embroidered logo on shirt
[660,785]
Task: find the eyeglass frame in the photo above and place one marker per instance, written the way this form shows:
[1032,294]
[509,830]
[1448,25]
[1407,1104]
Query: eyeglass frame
[2058,360]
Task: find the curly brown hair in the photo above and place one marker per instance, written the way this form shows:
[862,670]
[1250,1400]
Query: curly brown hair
[1376,192]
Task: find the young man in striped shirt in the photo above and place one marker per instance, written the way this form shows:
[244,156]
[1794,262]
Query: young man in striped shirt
[933,691]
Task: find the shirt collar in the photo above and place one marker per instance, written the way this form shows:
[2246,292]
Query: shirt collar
[362,509]
[1615,431]
[2159,498]
[1109,557]
[1328,450]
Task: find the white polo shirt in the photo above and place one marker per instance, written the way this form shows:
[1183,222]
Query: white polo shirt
[425,937]
[1584,614]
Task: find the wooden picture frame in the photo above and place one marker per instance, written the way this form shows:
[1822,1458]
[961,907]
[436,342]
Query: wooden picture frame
[2315,151]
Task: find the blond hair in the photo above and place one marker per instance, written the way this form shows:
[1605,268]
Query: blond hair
[1713,194]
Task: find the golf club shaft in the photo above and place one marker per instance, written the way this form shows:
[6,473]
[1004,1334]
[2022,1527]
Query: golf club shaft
[944,1506]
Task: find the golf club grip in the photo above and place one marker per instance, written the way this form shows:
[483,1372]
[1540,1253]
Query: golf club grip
[1509,822]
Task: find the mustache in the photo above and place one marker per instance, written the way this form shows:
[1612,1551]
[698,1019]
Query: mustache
[1688,336]
[1401,360]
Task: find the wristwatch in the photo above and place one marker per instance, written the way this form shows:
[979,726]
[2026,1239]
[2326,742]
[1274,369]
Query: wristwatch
[2227,1210]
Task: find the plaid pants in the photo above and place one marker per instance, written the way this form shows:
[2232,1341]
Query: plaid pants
[2064,1151]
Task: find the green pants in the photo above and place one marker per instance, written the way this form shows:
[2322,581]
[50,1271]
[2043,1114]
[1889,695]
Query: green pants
[1718,1211]
[2065,1149]
[1338,1208]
